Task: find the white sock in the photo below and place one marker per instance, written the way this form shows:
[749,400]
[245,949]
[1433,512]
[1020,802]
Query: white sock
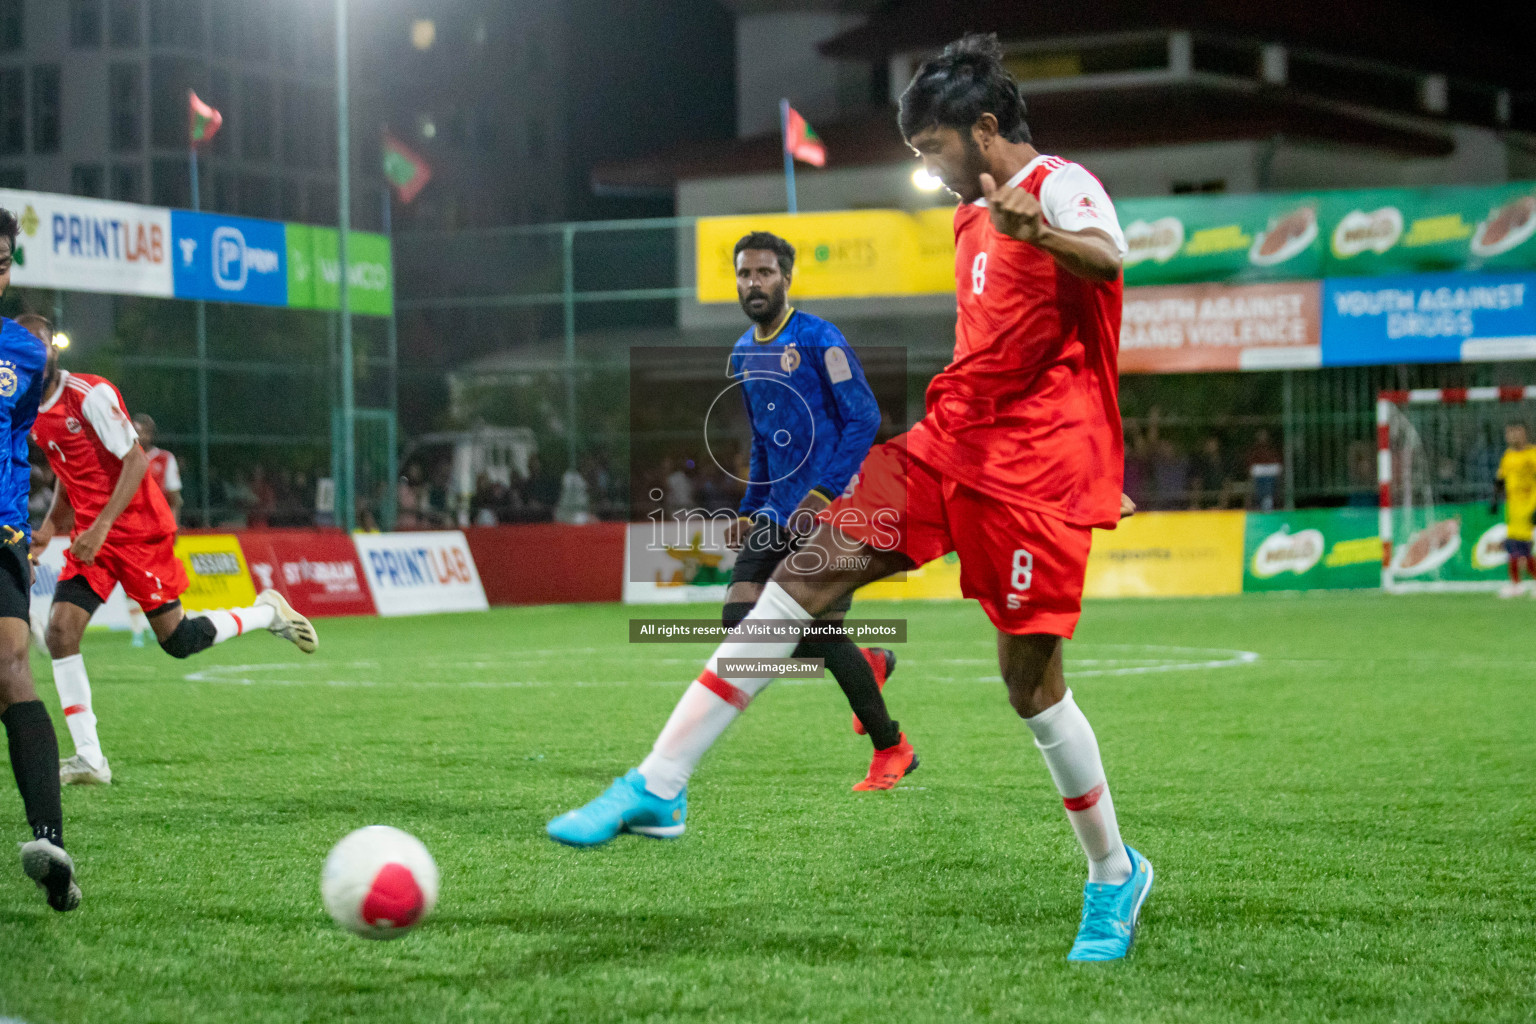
[711,703]
[230,624]
[138,621]
[74,688]
[1072,754]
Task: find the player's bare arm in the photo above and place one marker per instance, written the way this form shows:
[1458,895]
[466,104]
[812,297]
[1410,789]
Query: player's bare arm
[1089,253]
[803,519]
[135,466]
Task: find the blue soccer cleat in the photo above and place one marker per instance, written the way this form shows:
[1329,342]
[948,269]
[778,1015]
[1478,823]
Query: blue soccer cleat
[625,806]
[1110,913]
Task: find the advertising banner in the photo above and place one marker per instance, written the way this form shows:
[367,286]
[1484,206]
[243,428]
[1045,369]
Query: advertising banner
[1171,240]
[112,614]
[1168,554]
[216,572]
[229,259]
[1429,318]
[1188,327]
[1457,544]
[318,572]
[314,270]
[1401,231]
[1221,238]
[90,245]
[677,562]
[420,573]
[852,254]
[1312,549]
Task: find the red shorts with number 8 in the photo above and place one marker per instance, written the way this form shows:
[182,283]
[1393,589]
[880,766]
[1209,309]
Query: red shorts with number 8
[1024,567]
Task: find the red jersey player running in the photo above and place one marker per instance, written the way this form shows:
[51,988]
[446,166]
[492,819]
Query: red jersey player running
[1019,457]
[165,472]
[122,532]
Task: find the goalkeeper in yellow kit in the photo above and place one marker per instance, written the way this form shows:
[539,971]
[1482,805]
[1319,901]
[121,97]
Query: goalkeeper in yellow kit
[1516,484]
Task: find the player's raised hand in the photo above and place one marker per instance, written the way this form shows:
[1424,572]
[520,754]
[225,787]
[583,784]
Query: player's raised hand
[1015,212]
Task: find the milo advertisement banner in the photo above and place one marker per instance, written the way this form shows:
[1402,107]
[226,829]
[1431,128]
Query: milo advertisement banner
[1312,549]
[1221,238]
[1414,230]
[1351,233]
[1456,545]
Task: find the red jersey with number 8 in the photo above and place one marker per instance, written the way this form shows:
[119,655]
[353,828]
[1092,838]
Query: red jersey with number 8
[1028,411]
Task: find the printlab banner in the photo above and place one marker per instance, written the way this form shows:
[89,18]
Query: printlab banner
[419,573]
[1429,318]
[90,245]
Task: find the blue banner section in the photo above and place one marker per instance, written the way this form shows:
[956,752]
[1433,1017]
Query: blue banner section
[229,259]
[1429,318]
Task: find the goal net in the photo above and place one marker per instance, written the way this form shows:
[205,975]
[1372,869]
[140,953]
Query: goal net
[1439,452]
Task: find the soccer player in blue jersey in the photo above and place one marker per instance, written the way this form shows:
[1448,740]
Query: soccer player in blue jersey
[813,420]
[34,749]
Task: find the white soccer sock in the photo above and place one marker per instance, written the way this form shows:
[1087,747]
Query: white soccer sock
[230,624]
[1071,753]
[711,703]
[74,688]
[138,621]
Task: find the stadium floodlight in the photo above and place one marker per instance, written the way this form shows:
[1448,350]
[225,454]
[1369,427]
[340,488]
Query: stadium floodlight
[925,181]
[1437,453]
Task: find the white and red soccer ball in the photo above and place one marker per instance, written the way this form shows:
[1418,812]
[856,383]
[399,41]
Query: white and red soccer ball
[379,882]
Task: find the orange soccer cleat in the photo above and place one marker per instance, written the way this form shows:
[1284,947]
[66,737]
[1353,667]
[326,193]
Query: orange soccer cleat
[882,661]
[889,767]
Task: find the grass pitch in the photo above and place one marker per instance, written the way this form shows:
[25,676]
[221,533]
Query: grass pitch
[1336,792]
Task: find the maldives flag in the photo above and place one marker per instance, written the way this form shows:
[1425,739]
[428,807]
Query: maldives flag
[403,169]
[801,140]
[205,120]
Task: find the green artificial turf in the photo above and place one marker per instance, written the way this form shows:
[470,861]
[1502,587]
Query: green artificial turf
[1342,829]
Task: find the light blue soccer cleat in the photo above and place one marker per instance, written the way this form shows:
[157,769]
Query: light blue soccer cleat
[625,806]
[1110,913]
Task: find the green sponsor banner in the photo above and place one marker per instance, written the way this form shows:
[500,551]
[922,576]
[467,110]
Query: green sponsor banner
[1400,231]
[1312,549]
[1457,544]
[314,270]
[1329,234]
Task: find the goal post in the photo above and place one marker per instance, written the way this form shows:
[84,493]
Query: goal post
[1437,456]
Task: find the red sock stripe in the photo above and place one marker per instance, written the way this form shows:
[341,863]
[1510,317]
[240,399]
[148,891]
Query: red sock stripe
[736,698]
[1087,800]
[75,709]
[239,626]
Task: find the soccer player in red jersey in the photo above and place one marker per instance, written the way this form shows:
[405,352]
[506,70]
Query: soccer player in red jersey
[164,471]
[1019,456]
[122,532]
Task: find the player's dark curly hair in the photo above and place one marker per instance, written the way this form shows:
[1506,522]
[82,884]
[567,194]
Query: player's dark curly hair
[768,242]
[10,227]
[955,88]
